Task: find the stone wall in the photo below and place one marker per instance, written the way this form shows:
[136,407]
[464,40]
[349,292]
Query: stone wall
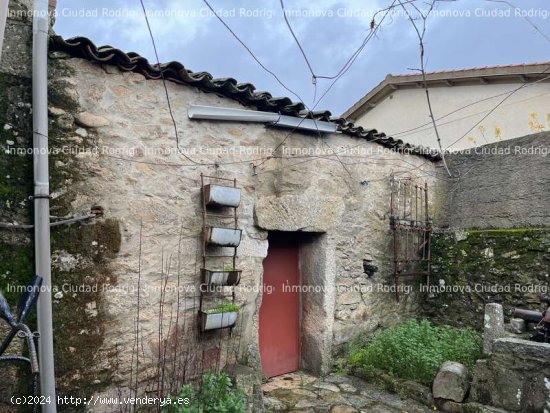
[492,237]
[501,185]
[125,117]
[81,252]
[516,377]
[126,284]
[16,248]
[471,268]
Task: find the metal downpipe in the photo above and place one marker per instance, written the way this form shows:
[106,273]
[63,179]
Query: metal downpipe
[42,201]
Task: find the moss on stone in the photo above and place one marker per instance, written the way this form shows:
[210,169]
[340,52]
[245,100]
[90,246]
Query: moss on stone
[15,133]
[80,319]
[65,171]
[79,314]
[16,246]
[495,265]
[16,264]
[57,89]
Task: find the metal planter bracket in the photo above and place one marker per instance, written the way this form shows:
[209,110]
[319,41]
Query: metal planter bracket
[223,237]
[219,195]
[217,321]
[229,278]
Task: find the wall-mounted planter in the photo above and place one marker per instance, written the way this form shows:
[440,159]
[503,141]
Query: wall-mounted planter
[223,237]
[218,195]
[210,277]
[217,321]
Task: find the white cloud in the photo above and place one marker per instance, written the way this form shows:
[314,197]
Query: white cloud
[186,33]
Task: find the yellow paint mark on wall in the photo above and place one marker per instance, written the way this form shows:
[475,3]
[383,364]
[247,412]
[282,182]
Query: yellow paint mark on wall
[534,123]
[498,132]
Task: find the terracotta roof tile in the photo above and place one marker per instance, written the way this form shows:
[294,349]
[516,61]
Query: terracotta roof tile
[244,93]
[467,69]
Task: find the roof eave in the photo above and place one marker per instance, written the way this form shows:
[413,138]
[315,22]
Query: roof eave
[244,93]
[511,74]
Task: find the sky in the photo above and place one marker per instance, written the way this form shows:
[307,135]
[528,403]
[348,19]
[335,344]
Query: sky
[459,34]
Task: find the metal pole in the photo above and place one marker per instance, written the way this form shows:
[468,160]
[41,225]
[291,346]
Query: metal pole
[3,19]
[42,201]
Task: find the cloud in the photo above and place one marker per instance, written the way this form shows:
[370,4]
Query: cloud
[187,32]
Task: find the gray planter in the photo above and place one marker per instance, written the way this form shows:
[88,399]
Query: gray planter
[218,195]
[217,321]
[223,237]
[210,277]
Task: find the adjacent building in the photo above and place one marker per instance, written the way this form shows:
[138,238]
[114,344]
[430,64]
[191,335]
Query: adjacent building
[472,107]
[296,233]
[314,237]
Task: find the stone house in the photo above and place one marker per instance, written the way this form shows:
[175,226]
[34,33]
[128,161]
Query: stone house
[314,206]
[332,215]
[128,284]
[460,99]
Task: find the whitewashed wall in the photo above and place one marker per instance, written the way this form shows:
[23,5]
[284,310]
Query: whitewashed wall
[526,111]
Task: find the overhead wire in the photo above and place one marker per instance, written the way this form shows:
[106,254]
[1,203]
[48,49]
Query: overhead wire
[250,52]
[344,69]
[264,67]
[422,127]
[168,96]
[371,34]
[165,87]
[353,55]
[508,94]
[367,39]
[421,33]
[362,46]
[495,108]
[459,119]
[525,17]
[274,75]
[374,28]
[546,37]
[297,41]
[193,162]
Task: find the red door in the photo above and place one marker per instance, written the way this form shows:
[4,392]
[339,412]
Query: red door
[280,311]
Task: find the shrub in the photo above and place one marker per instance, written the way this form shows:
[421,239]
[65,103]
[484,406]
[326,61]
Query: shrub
[215,395]
[415,351]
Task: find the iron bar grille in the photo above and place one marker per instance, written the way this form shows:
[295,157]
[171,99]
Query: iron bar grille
[411,226]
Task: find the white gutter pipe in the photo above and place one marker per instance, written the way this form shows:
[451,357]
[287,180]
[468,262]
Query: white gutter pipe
[306,124]
[42,201]
[241,115]
[244,115]
[3,19]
